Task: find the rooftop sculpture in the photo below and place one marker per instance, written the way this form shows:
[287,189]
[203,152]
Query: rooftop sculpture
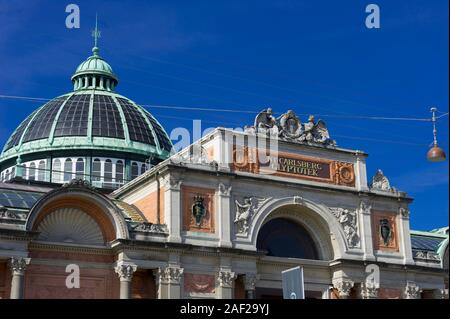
[289,127]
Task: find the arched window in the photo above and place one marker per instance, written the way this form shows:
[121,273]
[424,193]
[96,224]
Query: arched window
[13,172]
[108,171]
[119,172]
[96,170]
[32,172]
[2,175]
[134,170]
[56,171]
[7,175]
[284,238]
[41,171]
[68,170]
[143,168]
[79,168]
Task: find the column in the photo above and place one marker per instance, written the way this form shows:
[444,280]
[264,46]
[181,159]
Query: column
[226,280]
[224,216]
[168,281]
[369,290]
[412,291]
[365,217]
[344,287]
[18,266]
[125,273]
[405,237]
[250,285]
[172,208]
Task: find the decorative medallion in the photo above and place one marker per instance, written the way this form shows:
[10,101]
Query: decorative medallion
[198,210]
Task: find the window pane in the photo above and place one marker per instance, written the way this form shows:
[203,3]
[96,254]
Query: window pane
[108,171]
[119,171]
[68,170]
[134,170]
[41,171]
[80,168]
[96,170]
[56,174]
[32,172]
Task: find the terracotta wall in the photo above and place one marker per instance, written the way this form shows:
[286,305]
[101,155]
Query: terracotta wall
[239,288]
[4,277]
[49,282]
[389,293]
[143,285]
[199,283]
[148,204]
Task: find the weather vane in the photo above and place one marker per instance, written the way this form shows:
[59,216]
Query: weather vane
[96,33]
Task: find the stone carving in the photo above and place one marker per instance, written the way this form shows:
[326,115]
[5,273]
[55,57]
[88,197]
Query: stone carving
[385,231]
[412,291]
[224,190]
[289,127]
[428,256]
[265,123]
[125,271]
[349,222]
[365,208]
[151,228]
[194,154]
[250,281]
[246,211]
[172,183]
[9,214]
[404,212]
[79,182]
[380,182]
[226,278]
[19,265]
[298,199]
[345,174]
[199,283]
[170,274]
[369,290]
[344,288]
[198,210]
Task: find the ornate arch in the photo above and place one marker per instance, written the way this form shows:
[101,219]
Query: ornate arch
[326,232]
[97,206]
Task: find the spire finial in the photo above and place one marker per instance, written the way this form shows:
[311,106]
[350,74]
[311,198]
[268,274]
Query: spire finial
[96,36]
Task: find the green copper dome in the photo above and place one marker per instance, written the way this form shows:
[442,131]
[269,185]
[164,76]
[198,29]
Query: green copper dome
[91,120]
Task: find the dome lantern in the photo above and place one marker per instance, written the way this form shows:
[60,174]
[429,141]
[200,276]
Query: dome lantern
[94,72]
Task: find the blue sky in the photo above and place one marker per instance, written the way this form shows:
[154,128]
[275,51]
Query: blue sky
[310,56]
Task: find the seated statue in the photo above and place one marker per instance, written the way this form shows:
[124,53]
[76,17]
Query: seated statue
[316,132]
[266,123]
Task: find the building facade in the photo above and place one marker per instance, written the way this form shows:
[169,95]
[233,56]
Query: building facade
[220,219]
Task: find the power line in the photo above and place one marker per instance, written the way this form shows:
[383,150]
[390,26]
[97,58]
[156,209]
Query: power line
[190,108]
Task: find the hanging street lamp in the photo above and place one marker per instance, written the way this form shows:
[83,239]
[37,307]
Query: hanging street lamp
[435,154]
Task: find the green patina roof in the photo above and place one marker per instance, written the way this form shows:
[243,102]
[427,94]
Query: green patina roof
[95,65]
[92,117]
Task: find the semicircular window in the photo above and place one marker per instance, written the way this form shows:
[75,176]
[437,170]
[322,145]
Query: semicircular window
[282,237]
[70,225]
